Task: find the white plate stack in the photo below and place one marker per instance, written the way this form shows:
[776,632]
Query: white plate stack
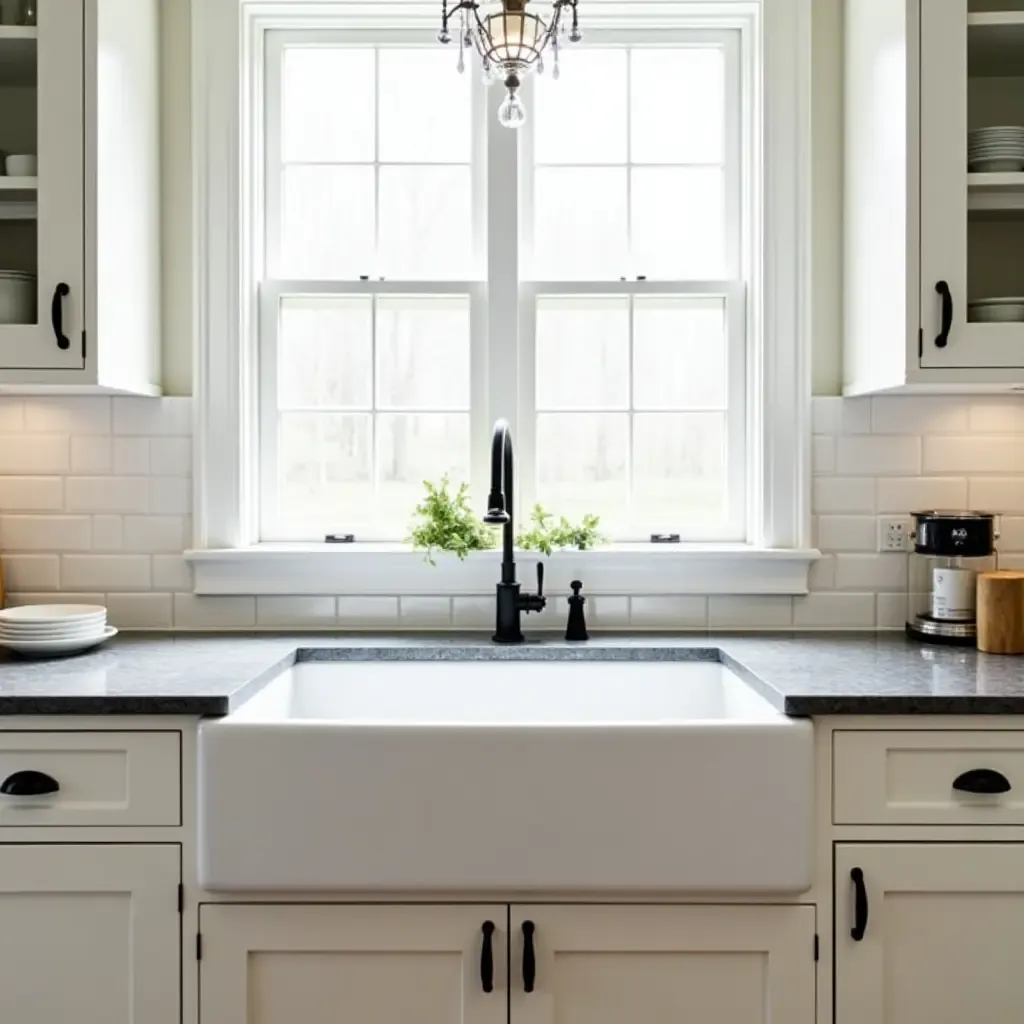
[996,311]
[43,630]
[17,297]
[995,150]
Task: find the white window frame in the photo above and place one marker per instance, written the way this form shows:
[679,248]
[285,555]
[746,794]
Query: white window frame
[227,68]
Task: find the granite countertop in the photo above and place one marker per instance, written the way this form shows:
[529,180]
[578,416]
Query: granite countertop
[810,674]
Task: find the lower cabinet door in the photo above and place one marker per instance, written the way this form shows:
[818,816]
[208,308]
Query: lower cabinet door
[321,964]
[90,934]
[929,933]
[652,965]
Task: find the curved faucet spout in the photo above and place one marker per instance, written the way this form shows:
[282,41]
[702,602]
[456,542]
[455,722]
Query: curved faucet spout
[501,502]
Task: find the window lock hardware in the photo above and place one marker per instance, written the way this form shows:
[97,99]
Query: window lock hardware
[665,538]
[340,538]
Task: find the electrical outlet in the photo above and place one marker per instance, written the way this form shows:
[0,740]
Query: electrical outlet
[893,533]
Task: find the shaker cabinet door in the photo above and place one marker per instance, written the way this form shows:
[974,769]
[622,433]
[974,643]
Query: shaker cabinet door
[42,222]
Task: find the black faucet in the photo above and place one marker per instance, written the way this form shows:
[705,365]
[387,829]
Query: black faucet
[500,510]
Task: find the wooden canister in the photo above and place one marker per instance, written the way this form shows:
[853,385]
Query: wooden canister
[1001,612]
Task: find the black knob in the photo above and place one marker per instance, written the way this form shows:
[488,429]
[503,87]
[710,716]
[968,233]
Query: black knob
[61,292]
[860,905]
[529,957]
[982,782]
[947,314]
[29,783]
[487,957]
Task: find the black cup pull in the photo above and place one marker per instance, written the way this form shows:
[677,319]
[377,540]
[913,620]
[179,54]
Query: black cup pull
[947,314]
[529,957]
[860,905]
[60,293]
[487,957]
[982,782]
[29,783]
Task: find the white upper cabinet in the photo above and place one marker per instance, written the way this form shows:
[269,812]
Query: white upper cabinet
[931,239]
[79,238]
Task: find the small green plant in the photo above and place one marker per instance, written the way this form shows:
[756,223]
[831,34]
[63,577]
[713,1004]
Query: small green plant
[446,522]
[546,535]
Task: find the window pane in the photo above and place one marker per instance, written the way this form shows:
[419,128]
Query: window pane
[678,222]
[327,228]
[580,223]
[679,468]
[423,353]
[426,222]
[581,118]
[425,114]
[327,104]
[679,354]
[582,464]
[411,449]
[324,474]
[582,353]
[677,105]
[325,353]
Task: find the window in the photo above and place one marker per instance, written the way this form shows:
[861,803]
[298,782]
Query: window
[384,270]
[390,188]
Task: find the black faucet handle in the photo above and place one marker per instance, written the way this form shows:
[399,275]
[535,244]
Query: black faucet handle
[540,579]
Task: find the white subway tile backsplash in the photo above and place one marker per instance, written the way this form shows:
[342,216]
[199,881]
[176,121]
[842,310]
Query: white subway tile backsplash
[15,598]
[45,533]
[95,500]
[91,455]
[131,456]
[140,611]
[296,612]
[35,455]
[31,494]
[106,572]
[71,416]
[891,455]
[107,494]
[915,494]
[834,610]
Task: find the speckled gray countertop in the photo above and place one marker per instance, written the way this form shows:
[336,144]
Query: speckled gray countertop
[811,674]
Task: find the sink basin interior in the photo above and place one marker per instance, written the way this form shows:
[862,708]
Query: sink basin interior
[481,693]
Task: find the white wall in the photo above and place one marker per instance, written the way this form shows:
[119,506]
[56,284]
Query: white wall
[95,500]
[827,195]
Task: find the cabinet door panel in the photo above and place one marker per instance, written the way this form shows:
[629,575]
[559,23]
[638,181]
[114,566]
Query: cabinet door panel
[944,935]
[89,934]
[649,965]
[323,964]
[50,242]
[978,255]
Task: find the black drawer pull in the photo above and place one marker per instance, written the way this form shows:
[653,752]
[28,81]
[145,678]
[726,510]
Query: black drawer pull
[860,905]
[60,293]
[487,958]
[947,314]
[529,957]
[29,783]
[982,782]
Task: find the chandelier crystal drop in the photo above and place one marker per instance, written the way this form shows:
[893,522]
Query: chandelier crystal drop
[510,42]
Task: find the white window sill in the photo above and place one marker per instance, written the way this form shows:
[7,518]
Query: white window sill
[395,569]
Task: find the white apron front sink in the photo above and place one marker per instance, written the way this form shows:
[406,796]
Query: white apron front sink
[505,775]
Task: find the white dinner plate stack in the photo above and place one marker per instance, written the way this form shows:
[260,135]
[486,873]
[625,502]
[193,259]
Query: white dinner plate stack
[43,630]
[997,149]
[17,297]
[996,311]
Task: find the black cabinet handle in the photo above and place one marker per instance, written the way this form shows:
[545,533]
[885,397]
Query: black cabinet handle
[487,958]
[860,905]
[947,314]
[529,957]
[983,782]
[60,293]
[29,783]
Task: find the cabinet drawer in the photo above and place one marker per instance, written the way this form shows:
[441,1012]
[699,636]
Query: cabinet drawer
[907,778]
[103,778]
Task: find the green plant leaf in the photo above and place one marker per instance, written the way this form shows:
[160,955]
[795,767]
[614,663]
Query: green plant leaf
[445,521]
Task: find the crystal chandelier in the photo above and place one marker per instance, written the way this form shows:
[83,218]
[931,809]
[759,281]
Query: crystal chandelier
[510,41]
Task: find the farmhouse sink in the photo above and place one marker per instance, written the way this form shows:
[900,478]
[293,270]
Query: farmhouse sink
[506,775]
